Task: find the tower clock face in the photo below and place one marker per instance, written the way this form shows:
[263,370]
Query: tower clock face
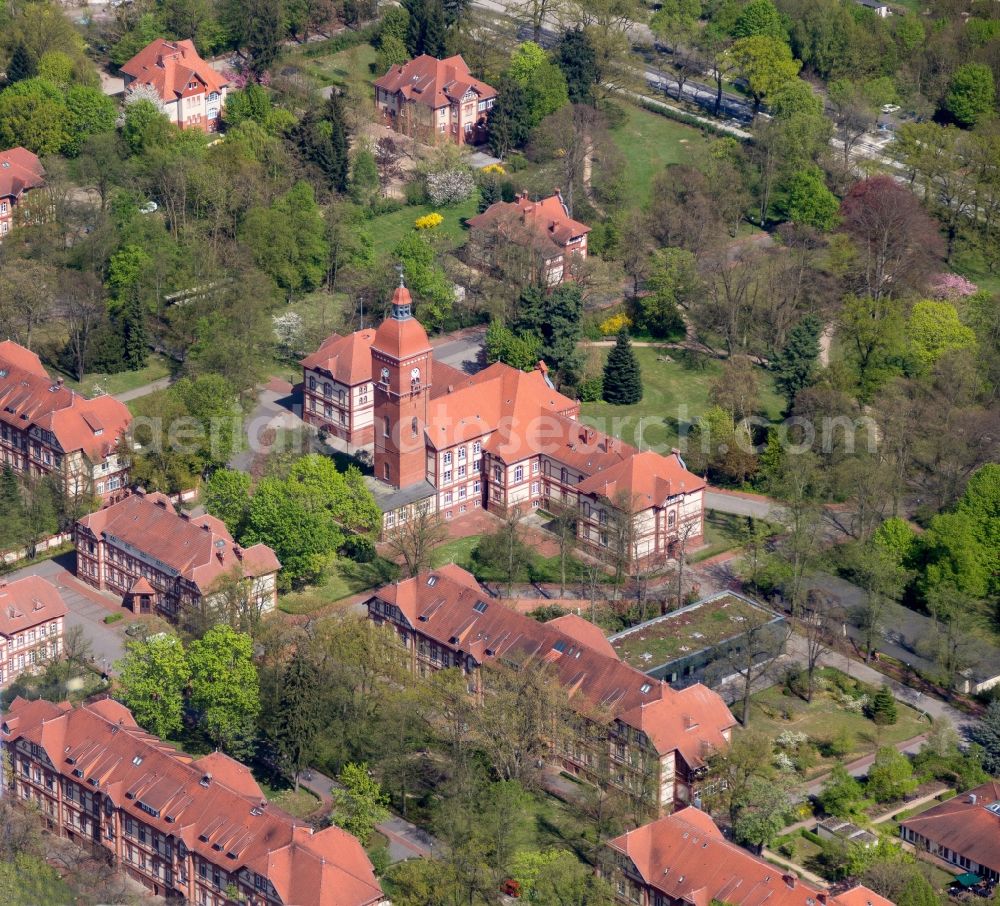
[415,374]
[385,375]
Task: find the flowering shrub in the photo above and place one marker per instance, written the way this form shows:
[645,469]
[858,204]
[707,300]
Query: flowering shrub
[428,221]
[491,169]
[783,763]
[951,287]
[450,186]
[615,323]
[790,739]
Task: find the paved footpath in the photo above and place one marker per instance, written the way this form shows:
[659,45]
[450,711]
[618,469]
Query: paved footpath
[406,840]
[146,389]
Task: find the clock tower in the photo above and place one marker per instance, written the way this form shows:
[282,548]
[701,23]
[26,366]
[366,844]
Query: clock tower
[401,372]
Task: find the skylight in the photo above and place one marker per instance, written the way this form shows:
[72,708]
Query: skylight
[480,606]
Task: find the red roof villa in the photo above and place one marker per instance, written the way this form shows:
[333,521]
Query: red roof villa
[191,91]
[431,100]
[553,241]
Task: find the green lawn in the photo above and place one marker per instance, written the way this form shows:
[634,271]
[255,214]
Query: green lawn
[156,367]
[673,396]
[649,142]
[458,551]
[300,804]
[341,68]
[774,711]
[723,532]
[343,579]
[972,266]
[388,229]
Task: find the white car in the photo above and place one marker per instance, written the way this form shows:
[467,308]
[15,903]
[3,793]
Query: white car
[890,108]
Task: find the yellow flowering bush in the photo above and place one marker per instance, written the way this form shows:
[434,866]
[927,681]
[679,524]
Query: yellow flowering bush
[494,168]
[615,323]
[428,221]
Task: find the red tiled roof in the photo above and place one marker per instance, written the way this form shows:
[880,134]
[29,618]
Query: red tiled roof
[133,767]
[232,773]
[514,404]
[433,83]
[346,359]
[546,222]
[401,338]
[198,547]
[685,856]
[170,66]
[861,896]
[20,170]
[965,825]
[28,396]
[28,602]
[584,632]
[646,478]
[449,606]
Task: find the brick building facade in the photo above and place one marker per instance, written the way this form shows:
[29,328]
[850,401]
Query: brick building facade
[634,732]
[48,429]
[500,439]
[161,560]
[32,616]
[200,829]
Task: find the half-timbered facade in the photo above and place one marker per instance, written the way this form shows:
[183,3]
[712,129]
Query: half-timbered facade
[200,829]
[48,429]
[631,731]
[160,560]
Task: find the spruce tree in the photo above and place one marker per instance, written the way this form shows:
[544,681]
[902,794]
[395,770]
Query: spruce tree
[339,164]
[415,26]
[622,376]
[795,364]
[882,708]
[299,719]
[435,31]
[135,338]
[508,126]
[22,65]
[577,59]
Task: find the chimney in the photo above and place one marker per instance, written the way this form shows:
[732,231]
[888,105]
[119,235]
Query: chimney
[972,798]
[161,502]
[221,556]
[789,879]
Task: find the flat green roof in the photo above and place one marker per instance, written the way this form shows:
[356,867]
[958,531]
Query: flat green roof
[703,624]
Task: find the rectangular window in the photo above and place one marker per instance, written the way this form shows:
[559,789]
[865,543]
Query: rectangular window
[519,473]
[446,477]
[461,471]
[476,488]
[446,459]
[461,454]
[534,467]
[477,448]
[497,473]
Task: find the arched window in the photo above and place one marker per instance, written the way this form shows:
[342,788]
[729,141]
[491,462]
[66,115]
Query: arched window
[414,427]
[386,430]
[385,471]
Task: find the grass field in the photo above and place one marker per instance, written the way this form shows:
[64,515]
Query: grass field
[156,367]
[673,396]
[343,579]
[300,804]
[773,711]
[723,532]
[388,229]
[649,142]
[341,68]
